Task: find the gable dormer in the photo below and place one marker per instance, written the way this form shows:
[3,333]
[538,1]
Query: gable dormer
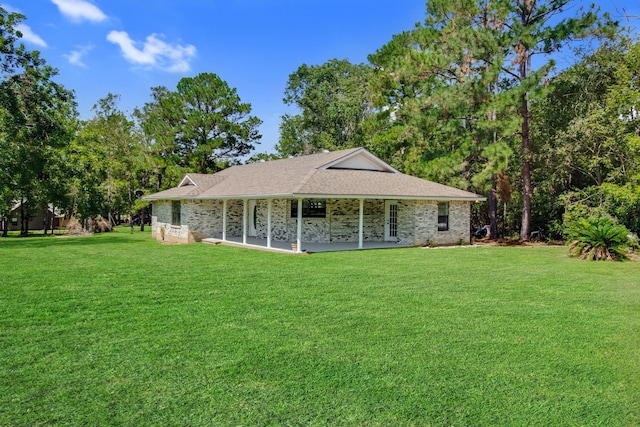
[360,160]
[186,181]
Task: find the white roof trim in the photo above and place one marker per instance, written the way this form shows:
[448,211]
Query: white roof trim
[323,196]
[360,152]
[388,197]
[187,178]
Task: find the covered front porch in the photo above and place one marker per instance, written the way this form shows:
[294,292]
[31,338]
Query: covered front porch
[320,225]
[306,247]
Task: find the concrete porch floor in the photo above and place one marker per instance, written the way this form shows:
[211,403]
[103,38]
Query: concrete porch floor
[279,246]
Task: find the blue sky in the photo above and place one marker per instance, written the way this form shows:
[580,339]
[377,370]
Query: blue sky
[126,47]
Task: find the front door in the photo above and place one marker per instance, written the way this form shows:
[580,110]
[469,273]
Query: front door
[253,218]
[390,220]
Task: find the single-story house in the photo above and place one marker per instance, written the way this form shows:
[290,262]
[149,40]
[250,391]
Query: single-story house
[350,199]
[43,218]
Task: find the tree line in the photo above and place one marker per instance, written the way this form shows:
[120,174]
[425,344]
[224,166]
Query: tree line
[470,97]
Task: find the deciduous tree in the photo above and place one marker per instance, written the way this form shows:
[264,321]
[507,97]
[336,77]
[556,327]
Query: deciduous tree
[588,135]
[111,156]
[36,124]
[333,100]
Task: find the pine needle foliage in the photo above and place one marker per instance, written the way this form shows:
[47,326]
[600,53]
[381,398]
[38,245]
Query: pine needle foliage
[598,238]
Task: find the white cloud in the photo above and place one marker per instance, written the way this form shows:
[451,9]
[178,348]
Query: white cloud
[75,56]
[80,10]
[29,36]
[154,53]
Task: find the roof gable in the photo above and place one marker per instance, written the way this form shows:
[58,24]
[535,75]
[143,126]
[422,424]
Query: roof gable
[187,180]
[360,159]
[17,203]
[198,180]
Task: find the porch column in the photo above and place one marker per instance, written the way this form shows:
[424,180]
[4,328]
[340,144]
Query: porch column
[299,230]
[269,205]
[361,225]
[244,221]
[224,220]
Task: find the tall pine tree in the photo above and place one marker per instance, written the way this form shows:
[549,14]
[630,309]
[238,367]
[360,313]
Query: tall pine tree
[458,88]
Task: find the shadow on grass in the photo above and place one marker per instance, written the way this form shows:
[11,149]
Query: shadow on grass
[58,239]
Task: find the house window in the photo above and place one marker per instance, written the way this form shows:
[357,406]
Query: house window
[310,209]
[393,220]
[443,216]
[175,212]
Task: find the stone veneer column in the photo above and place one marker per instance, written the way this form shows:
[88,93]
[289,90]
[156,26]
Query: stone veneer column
[269,207]
[224,220]
[299,227]
[361,224]
[244,221]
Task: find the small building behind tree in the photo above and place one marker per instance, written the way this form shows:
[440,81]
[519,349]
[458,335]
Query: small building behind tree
[37,219]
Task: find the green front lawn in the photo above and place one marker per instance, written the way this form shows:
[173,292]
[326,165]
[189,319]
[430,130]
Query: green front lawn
[117,329]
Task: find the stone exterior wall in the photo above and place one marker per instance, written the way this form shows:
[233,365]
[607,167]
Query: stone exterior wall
[279,215]
[279,212]
[161,227]
[234,218]
[459,225]
[406,222]
[344,217]
[341,223]
[313,229]
[417,222]
[422,223]
[204,218]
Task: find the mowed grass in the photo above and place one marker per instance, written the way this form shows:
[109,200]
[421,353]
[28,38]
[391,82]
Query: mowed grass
[117,329]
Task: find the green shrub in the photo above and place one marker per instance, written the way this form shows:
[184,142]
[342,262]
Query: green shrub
[598,238]
[619,202]
[634,242]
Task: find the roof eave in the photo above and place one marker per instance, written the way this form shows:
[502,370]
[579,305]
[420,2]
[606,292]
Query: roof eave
[322,196]
[389,197]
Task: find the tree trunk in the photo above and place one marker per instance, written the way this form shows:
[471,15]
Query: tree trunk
[526,173]
[504,218]
[493,208]
[493,199]
[525,113]
[131,208]
[142,215]
[24,219]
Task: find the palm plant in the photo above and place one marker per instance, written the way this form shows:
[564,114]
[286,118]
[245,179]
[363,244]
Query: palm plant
[598,238]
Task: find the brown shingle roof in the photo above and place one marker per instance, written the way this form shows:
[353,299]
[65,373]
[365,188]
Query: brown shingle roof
[371,183]
[305,176]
